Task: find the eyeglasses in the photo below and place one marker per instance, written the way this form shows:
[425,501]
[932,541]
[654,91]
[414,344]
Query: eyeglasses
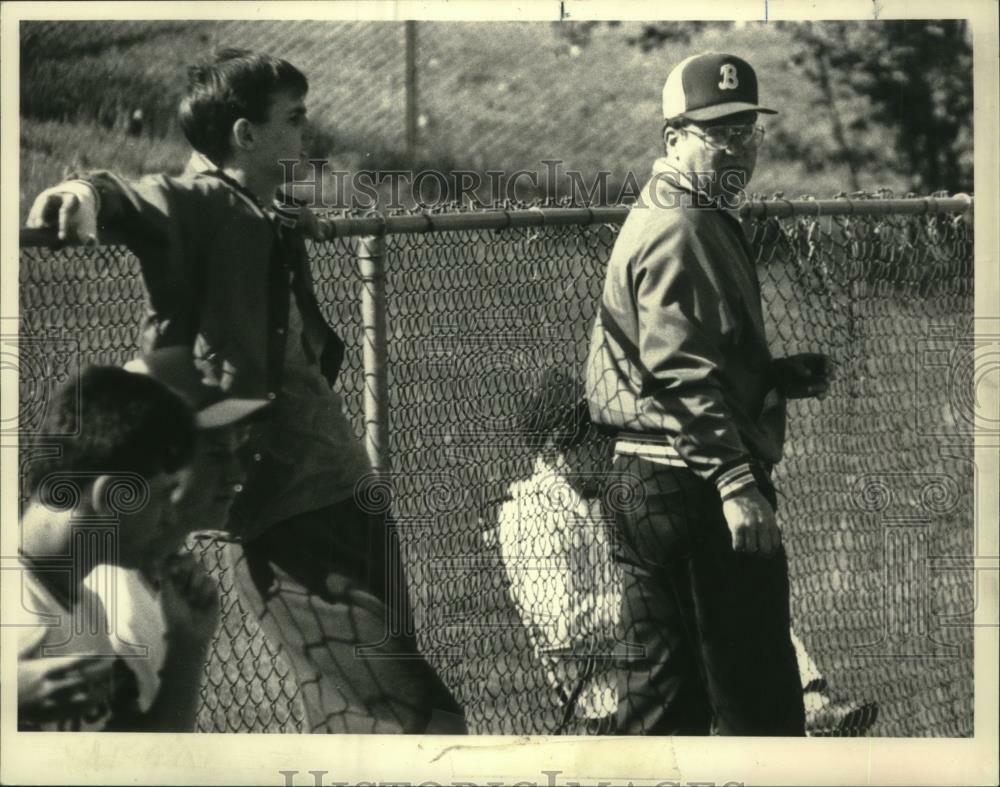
[729,137]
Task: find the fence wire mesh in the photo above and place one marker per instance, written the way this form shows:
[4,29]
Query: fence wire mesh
[876,481]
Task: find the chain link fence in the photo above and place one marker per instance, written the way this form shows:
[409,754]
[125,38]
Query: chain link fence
[876,484]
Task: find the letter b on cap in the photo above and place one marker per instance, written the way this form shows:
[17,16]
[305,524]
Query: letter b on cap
[729,80]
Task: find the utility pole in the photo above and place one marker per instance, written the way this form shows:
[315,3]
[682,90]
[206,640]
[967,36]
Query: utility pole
[411,92]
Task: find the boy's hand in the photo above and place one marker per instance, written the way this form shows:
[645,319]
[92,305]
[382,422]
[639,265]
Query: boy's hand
[802,375]
[190,600]
[51,688]
[751,522]
[71,208]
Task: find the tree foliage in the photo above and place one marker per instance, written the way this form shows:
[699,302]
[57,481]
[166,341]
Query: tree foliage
[658,34]
[914,79]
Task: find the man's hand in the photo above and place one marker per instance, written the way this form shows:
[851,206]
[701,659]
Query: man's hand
[190,600]
[751,521]
[69,207]
[802,375]
[51,688]
[312,227]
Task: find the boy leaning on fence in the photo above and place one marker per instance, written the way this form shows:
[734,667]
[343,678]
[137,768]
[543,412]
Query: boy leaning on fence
[226,273]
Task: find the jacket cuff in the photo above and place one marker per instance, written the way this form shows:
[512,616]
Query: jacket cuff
[82,188]
[109,190]
[735,480]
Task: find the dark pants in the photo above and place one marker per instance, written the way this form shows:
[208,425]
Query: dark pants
[319,584]
[712,624]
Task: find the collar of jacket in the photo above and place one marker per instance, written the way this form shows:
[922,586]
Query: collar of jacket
[284,212]
[665,172]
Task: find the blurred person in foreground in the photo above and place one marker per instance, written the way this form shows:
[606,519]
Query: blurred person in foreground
[556,539]
[223,259]
[117,446]
[140,612]
[680,371]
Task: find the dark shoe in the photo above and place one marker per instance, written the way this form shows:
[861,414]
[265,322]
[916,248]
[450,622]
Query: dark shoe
[842,719]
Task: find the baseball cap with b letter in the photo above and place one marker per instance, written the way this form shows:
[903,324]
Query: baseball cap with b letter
[709,86]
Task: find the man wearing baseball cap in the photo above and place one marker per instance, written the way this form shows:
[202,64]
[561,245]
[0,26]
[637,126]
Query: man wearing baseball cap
[680,371]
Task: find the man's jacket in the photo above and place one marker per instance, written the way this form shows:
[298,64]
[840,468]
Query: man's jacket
[679,365]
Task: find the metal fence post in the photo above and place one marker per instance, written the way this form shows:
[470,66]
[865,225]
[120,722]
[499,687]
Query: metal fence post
[371,263]
[411,92]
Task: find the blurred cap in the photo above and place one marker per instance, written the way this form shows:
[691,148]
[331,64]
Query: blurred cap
[174,367]
[710,86]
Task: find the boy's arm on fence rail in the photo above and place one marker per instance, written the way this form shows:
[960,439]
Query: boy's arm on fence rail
[143,214]
[151,213]
[166,222]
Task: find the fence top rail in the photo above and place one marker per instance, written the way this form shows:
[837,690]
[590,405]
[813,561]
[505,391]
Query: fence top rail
[419,223]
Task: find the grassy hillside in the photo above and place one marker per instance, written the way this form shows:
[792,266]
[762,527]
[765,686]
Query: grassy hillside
[492,96]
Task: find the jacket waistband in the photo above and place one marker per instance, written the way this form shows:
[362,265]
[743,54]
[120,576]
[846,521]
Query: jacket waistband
[657,448]
[660,451]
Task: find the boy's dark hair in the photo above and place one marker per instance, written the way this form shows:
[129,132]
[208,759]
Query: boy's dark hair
[113,421]
[556,412]
[237,84]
